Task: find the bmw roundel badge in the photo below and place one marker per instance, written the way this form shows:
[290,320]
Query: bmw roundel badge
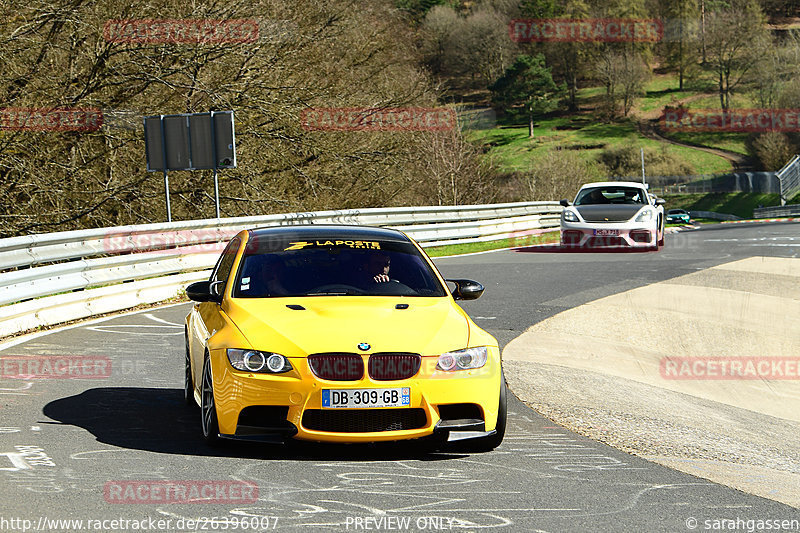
[364,346]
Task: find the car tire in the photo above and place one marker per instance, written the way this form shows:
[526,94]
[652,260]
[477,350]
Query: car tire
[208,408]
[489,443]
[188,382]
[660,240]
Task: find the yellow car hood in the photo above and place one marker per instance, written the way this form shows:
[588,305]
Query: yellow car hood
[429,326]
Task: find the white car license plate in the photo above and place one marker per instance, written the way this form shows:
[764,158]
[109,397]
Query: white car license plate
[606,232]
[365,398]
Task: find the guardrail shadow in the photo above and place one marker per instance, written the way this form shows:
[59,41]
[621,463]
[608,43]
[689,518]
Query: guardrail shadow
[158,420]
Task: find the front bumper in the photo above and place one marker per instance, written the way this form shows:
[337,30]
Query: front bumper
[276,407]
[678,220]
[628,235]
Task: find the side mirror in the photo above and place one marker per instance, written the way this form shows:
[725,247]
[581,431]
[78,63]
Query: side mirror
[564,203]
[206,291]
[466,289]
[660,201]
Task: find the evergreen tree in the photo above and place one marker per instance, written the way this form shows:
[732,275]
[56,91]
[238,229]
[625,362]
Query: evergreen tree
[527,83]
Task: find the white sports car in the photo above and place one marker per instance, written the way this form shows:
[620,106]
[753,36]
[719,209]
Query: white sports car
[613,214]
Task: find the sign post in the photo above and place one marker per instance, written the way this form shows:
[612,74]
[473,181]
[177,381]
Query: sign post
[643,179]
[196,141]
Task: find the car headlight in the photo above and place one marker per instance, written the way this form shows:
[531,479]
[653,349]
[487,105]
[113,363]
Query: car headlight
[465,359]
[645,216]
[569,216]
[256,361]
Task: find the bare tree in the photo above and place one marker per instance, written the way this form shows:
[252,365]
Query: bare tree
[484,44]
[789,97]
[340,53]
[733,38]
[624,75]
[475,44]
[558,174]
[681,32]
[775,68]
[439,27]
[773,149]
[455,173]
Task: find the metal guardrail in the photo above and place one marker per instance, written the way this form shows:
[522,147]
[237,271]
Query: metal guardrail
[52,278]
[762,182]
[777,212]
[789,178]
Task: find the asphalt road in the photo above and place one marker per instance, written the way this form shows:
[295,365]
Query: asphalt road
[74,448]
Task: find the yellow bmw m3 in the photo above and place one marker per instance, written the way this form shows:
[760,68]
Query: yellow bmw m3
[339,334]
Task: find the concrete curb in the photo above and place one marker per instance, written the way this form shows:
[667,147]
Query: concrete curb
[757,220]
[609,378]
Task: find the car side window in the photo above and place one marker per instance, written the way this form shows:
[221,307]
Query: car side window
[225,263]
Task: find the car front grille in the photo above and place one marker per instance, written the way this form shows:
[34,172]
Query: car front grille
[336,366]
[391,366]
[363,420]
[606,241]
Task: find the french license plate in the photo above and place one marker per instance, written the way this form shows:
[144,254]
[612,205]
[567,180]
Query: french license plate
[606,232]
[365,398]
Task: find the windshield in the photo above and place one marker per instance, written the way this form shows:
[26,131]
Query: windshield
[611,195]
[277,268]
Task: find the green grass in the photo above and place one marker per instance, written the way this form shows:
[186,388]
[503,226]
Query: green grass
[740,204]
[657,100]
[669,82]
[528,240]
[512,150]
[661,91]
[703,162]
[731,141]
[711,101]
[590,92]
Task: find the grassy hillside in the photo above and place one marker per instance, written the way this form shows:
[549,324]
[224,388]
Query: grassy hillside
[508,143]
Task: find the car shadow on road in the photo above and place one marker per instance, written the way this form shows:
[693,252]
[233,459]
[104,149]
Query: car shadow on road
[557,248]
[158,420]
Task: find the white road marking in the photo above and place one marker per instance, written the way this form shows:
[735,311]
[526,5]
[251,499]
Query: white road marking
[25,386]
[149,330]
[161,320]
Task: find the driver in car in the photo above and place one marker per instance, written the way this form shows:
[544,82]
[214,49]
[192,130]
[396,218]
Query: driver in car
[272,273]
[597,197]
[377,268]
